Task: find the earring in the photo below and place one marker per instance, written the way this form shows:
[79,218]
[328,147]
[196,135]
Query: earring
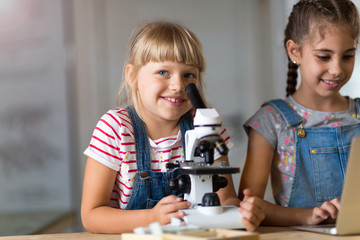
[294,62]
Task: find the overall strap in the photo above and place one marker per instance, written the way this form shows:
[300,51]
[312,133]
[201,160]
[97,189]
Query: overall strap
[357,100]
[142,145]
[186,122]
[291,118]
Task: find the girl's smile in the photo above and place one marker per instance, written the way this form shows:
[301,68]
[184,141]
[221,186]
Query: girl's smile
[330,84]
[175,101]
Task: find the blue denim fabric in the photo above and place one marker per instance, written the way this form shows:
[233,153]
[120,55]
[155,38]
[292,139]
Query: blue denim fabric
[321,159]
[150,187]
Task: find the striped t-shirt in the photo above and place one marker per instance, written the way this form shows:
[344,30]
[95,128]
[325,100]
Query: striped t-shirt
[112,144]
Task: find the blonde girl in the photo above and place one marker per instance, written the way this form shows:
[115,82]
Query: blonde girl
[125,182]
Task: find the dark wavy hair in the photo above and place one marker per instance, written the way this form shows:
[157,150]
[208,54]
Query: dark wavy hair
[310,16]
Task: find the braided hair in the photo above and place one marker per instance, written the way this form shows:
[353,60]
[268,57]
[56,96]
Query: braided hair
[310,15]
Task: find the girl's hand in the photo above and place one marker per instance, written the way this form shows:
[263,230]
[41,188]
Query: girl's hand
[167,208]
[327,211]
[252,209]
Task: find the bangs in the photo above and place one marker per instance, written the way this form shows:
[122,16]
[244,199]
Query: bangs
[170,43]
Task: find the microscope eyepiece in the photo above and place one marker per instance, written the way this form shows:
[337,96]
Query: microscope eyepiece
[194,96]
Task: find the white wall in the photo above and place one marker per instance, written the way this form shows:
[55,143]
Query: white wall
[34,114]
[352,88]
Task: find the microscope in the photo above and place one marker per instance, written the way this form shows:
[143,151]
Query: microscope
[200,176]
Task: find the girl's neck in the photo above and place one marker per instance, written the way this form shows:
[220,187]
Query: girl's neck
[336,103]
[159,129]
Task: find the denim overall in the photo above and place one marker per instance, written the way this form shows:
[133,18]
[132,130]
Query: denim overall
[321,158]
[150,187]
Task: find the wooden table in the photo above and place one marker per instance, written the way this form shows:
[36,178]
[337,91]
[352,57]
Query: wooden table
[266,233]
[282,233]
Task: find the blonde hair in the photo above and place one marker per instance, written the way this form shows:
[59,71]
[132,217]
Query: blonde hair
[158,42]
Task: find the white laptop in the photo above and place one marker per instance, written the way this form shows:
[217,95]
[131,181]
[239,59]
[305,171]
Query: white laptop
[348,219]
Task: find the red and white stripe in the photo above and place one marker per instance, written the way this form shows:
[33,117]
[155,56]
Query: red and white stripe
[112,144]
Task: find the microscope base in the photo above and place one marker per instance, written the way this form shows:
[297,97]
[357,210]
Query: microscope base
[226,217]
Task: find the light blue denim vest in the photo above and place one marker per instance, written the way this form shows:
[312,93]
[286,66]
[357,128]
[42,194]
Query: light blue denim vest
[149,186]
[320,159]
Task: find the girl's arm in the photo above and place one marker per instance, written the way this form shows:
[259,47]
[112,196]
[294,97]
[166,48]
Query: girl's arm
[227,194]
[250,208]
[97,215]
[255,177]
[257,166]
[287,216]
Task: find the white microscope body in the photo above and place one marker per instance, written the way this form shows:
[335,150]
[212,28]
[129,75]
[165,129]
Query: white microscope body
[199,179]
[207,124]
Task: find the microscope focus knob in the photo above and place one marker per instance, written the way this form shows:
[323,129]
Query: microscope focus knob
[210,199]
[173,184]
[182,184]
[219,182]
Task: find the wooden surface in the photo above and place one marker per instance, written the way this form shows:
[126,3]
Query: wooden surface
[266,233]
[40,222]
[196,235]
[279,233]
